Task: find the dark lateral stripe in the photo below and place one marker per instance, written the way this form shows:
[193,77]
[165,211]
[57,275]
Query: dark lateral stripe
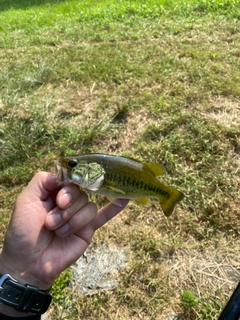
[127,182]
[147,187]
[159,191]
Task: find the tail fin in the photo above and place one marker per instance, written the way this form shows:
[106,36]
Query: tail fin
[168,204]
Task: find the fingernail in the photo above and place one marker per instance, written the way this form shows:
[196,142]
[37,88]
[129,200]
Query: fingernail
[56,218]
[118,202]
[65,200]
[62,230]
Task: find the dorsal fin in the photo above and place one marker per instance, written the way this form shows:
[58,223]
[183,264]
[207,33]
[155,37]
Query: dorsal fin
[155,169]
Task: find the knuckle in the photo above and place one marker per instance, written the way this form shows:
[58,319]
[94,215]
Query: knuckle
[68,213]
[92,207]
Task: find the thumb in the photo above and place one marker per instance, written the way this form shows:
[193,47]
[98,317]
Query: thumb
[40,186]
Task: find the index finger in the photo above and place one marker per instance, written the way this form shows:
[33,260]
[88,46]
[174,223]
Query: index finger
[108,212]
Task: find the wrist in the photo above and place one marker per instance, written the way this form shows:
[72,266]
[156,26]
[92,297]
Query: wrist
[23,299]
[22,276]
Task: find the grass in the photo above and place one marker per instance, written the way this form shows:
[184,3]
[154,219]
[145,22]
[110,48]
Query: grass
[154,80]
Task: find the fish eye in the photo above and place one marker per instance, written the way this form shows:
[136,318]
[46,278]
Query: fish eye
[72,163]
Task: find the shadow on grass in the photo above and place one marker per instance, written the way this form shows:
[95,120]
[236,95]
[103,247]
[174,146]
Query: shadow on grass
[24,4]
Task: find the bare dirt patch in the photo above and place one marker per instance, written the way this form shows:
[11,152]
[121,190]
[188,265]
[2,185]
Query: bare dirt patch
[96,270]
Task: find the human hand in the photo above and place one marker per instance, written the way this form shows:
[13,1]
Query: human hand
[50,229]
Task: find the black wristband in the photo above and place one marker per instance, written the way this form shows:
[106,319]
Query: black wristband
[4,317]
[23,297]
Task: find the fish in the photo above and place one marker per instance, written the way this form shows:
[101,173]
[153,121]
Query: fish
[118,177]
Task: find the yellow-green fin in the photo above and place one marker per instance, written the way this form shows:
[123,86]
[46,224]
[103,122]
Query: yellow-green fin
[156,169]
[168,204]
[115,190]
[143,201]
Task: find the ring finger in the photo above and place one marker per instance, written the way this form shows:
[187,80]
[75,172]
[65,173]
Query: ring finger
[57,217]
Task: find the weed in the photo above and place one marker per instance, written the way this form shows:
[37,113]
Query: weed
[60,284]
[189,300]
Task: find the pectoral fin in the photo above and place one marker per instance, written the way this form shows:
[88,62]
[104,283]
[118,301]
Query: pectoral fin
[143,201]
[115,190]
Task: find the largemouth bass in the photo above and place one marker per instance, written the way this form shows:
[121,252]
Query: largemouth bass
[118,177]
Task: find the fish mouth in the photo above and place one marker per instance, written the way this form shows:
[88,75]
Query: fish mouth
[61,177]
[85,181]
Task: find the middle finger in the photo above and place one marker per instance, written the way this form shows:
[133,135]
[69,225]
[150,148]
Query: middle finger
[59,216]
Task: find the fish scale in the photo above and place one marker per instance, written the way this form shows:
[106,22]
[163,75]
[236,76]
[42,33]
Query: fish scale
[131,184]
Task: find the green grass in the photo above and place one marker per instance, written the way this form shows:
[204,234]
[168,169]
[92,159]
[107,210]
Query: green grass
[153,80]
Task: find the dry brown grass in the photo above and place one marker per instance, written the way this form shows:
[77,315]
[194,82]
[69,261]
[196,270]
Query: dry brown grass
[224,110]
